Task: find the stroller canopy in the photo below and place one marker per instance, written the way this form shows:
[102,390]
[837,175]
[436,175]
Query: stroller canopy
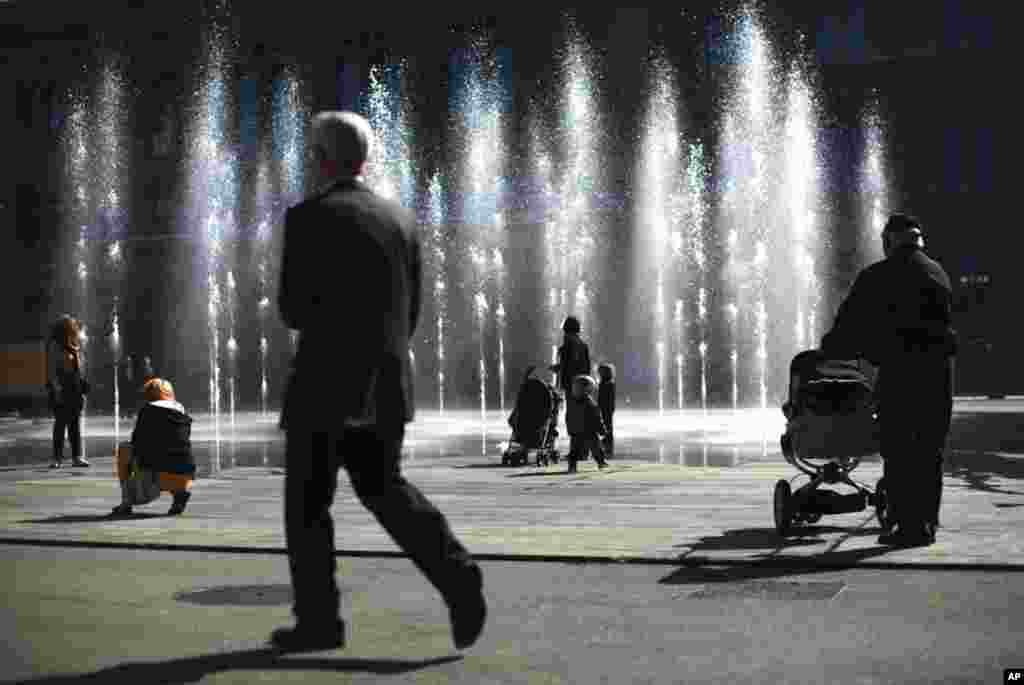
[812,366]
[533,406]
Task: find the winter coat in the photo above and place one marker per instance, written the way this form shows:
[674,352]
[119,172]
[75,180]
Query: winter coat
[573,360]
[161,440]
[583,417]
[606,401]
[65,376]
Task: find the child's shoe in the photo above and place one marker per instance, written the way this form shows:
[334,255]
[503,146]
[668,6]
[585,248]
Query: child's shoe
[178,505]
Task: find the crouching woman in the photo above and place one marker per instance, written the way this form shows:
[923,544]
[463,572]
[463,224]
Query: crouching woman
[161,452]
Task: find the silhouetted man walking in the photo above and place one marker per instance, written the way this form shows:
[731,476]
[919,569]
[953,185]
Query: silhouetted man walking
[898,316]
[350,283]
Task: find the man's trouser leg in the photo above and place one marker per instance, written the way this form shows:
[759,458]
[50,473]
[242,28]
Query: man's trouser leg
[413,522]
[311,478]
[937,412]
[916,411]
[899,419]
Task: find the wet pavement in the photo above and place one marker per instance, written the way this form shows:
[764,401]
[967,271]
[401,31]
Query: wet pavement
[696,438]
[702,589]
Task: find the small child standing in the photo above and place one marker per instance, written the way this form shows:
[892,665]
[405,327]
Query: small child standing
[584,422]
[606,403]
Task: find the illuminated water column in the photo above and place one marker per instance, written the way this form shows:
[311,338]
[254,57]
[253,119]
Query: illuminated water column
[76,158]
[480,104]
[390,171]
[733,271]
[108,173]
[115,350]
[748,151]
[661,208]
[290,115]
[733,314]
[437,252]
[481,308]
[213,192]
[262,250]
[756,84]
[543,172]
[580,133]
[874,183]
[499,314]
[801,185]
[696,181]
[231,307]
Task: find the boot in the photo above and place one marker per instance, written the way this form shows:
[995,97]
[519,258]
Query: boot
[125,507]
[181,498]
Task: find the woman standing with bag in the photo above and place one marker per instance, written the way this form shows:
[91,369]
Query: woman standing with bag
[160,454]
[66,388]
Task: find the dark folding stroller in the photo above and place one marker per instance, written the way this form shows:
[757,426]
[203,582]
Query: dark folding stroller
[832,424]
[533,422]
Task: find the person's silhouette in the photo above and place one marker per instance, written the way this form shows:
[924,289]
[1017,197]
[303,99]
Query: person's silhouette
[350,251]
[898,316]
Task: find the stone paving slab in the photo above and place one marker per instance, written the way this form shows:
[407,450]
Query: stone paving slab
[132,617]
[634,509]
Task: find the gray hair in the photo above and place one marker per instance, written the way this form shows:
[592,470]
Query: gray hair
[344,138]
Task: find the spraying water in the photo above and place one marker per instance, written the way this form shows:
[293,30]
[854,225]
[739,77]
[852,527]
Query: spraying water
[481,107]
[213,192]
[873,182]
[438,259]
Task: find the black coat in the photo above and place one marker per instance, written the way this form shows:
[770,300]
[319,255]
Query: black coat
[573,360]
[162,439]
[583,417]
[899,306]
[350,283]
[606,401]
[65,384]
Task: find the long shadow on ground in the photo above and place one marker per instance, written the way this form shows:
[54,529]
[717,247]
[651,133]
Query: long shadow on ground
[769,539]
[774,567]
[95,518]
[195,669]
[977,468]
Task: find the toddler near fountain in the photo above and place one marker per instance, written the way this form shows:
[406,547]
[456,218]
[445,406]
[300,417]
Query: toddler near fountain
[584,423]
[606,403]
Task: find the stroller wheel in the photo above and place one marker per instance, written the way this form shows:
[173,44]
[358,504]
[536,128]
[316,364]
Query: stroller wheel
[882,506]
[783,506]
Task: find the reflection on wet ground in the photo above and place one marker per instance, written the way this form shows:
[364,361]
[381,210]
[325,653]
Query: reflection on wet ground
[695,438]
[715,438]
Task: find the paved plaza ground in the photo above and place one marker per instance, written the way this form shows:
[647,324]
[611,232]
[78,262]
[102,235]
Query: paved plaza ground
[664,568]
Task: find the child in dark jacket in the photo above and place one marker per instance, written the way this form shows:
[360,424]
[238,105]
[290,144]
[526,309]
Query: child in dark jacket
[584,422]
[606,403]
[161,442]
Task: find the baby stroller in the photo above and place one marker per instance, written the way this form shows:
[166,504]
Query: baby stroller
[533,422]
[832,424]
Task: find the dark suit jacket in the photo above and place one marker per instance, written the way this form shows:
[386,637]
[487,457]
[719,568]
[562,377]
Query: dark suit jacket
[350,284]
